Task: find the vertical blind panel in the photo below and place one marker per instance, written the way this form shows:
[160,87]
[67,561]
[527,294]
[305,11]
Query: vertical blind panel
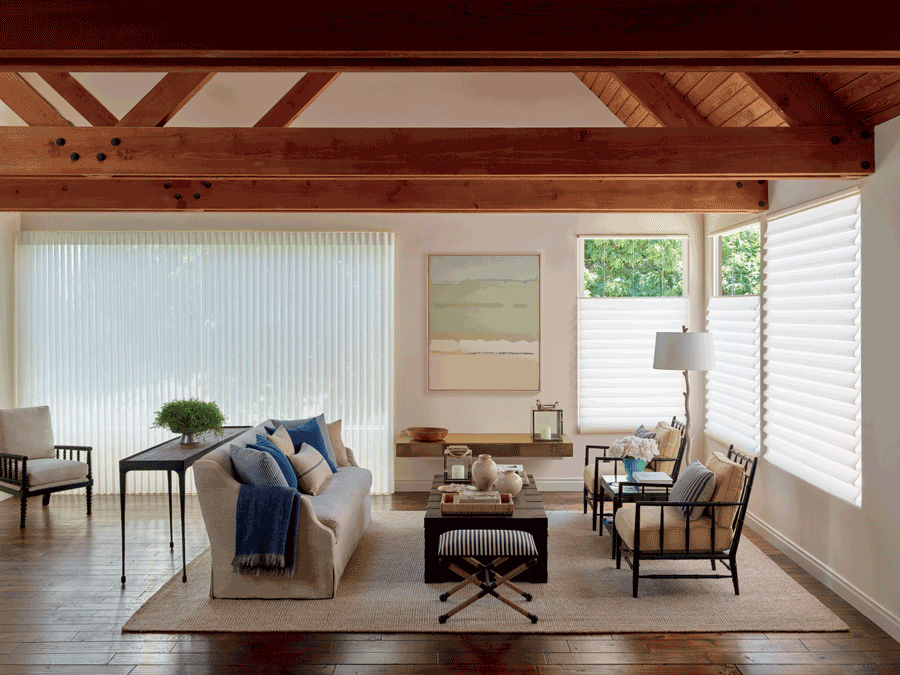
[267,324]
[812,345]
[618,389]
[733,388]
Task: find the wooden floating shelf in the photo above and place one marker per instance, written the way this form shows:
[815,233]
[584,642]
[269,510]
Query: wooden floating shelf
[496,445]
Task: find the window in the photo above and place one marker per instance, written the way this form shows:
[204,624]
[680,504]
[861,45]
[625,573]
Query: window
[630,288]
[812,343]
[733,389]
[267,324]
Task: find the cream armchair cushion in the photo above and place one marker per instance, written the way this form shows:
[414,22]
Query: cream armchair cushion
[673,532]
[44,473]
[27,431]
[729,482]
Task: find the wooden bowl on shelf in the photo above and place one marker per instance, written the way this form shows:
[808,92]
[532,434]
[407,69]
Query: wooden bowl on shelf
[427,434]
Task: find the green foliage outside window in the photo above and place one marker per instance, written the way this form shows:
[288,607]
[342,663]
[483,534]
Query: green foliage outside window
[628,268]
[740,262]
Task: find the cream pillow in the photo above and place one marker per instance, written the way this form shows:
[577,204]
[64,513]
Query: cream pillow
[669,440]
[729,483]
[281,439]
[311,468]
[340,451]
[662,431]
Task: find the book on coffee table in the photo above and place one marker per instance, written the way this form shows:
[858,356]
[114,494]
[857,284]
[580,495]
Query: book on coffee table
[652,477]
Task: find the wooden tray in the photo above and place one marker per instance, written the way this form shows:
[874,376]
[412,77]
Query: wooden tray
[504,508]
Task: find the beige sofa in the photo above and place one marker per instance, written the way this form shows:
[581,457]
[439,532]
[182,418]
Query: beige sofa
[331,525]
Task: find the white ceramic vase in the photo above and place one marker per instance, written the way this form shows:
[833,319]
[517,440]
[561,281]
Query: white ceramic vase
[484,472]
[510,482]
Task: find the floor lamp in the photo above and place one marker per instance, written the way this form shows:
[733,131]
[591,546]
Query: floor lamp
[685,351]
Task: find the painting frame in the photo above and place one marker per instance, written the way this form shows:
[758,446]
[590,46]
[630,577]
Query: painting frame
[465,268]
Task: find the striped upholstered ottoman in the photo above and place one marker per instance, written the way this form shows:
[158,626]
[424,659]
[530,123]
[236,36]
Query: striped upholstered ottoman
[484,550]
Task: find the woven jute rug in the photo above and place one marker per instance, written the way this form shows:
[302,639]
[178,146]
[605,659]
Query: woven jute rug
[382,591]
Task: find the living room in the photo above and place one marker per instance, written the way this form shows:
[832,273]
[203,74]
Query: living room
[839,549]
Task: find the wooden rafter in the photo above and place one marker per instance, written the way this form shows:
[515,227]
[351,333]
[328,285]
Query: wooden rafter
[297,99]
[632,35]
[357,195]
[162,102]
[705,153]
[800,99]
[661,99]
[28,104]
[74,93]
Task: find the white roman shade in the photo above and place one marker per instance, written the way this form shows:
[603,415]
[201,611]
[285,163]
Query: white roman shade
[267,324]
[618,389]
[811,344]
[733,389]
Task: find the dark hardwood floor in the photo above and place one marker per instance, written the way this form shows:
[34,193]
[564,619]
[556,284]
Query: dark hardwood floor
[62,608]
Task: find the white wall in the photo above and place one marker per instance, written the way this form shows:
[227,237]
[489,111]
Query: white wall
[417,235]
[9,225]
[851,549]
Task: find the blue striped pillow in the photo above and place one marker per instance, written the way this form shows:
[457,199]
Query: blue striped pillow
[265,445]
[256,468]
[695,484]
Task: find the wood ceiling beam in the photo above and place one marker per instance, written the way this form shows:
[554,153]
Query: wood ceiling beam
[162,102]
[632,35]
[74,93]
[28,104]
[297,99]
[704,153]
[661,99]
[800,99]
[354,195]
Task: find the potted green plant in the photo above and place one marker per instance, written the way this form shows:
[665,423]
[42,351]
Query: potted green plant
[189,417]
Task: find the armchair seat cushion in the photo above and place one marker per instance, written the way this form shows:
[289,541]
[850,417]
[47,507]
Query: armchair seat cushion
[673,532]
[53,472]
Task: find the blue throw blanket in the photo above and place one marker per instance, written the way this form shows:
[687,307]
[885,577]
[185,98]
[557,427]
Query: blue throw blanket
[266,530]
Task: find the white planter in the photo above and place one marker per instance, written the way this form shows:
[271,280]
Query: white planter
[484,472]
[510,482]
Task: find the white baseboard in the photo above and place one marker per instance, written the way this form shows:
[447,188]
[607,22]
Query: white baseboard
[544,485]
[874,610]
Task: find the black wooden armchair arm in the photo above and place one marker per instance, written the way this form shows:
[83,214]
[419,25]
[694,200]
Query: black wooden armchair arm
[687,522]
[13,468]
[67,452]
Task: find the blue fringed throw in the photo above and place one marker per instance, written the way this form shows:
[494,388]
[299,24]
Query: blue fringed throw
[266,530]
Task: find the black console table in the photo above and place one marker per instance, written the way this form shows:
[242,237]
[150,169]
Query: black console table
[170,456]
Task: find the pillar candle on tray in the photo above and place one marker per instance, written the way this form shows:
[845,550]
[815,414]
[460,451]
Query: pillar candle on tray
[457,471]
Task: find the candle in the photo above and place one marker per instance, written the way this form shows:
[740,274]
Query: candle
[457,471]
[545,433]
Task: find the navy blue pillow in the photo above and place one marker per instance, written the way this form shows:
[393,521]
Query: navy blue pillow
[310,433]
[265,445]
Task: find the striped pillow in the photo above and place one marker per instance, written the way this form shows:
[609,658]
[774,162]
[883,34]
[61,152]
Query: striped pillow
[256,468]
[695,484]
[311,468]
[643,432]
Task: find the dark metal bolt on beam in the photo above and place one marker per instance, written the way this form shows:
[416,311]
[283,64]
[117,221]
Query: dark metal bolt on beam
[167,185]
[835,139]
[196,195]
[177,195]
[74,156]
[101,156]
[60,141]
[115,141]
[740,185]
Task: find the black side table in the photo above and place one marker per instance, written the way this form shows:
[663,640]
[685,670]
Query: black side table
[170,456]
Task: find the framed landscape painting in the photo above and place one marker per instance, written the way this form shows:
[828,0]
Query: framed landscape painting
[484,322]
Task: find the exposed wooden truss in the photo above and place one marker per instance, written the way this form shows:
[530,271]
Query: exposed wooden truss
[28,104]
[360,195]
[632,35]
[297,99]
[699,153]
[800,100]
[660,99]
[162,102]
[74,93]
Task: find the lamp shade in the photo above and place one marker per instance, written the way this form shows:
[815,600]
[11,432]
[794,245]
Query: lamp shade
[684,351]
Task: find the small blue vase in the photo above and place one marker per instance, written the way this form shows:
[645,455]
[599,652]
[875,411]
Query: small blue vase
[632,465]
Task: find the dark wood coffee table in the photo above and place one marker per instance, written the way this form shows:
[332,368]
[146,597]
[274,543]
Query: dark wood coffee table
[529,516]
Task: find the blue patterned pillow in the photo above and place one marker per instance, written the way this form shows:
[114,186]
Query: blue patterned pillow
[323,428]
[695,484]
[256,468]
[265,445]
[310,433]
